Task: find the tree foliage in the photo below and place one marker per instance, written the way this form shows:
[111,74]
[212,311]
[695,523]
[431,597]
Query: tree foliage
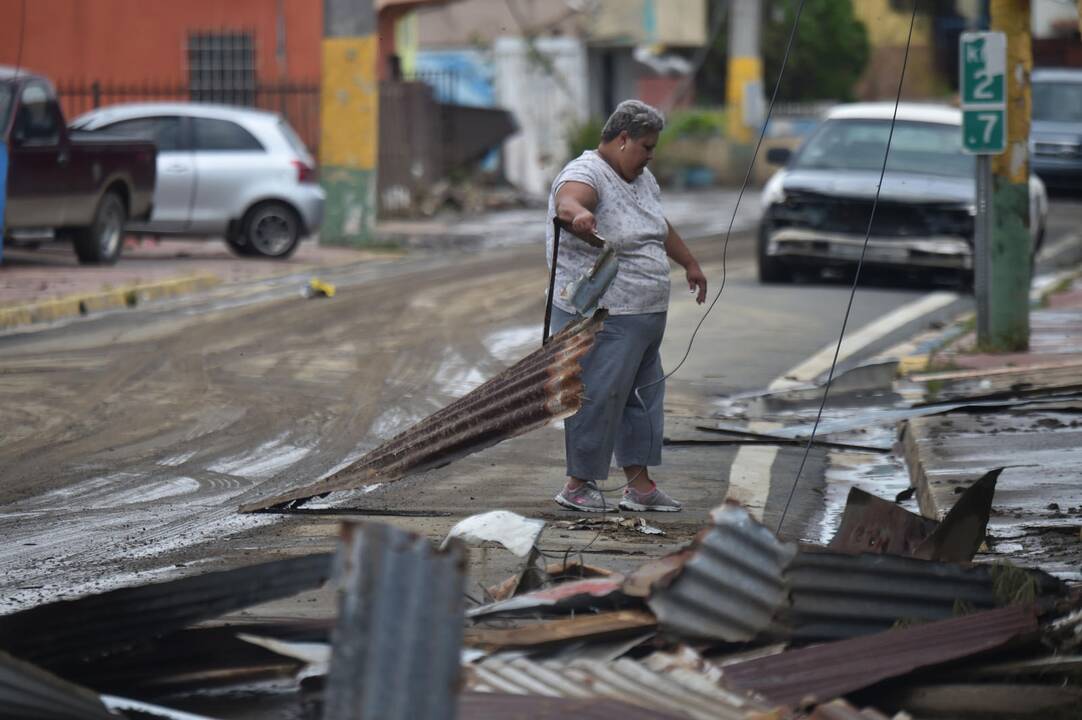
[829,52]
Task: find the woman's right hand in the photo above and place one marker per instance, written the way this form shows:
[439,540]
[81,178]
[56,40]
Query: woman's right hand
[584,222]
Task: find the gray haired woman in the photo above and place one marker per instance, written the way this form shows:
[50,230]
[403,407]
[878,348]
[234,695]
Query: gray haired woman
[611,192]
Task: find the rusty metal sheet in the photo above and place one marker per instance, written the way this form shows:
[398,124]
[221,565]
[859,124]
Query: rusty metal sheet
[27,691]
[67,633]
[397,642]
[731,585]
[542,387]
[600,626]
[962,530]
[661,683]
[834,669]
[599,592]
[873,525]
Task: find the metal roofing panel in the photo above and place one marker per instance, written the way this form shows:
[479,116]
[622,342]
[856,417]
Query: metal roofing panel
[836,595]
[28,692]
[833,669]
[71,631]
[731,585]
[542,387]
[495,706]
[661,682]
[398,637]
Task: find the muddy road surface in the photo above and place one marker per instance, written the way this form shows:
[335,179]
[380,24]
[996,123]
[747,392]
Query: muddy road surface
[129,440]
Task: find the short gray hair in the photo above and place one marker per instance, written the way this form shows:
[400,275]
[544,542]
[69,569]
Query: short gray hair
[636,117]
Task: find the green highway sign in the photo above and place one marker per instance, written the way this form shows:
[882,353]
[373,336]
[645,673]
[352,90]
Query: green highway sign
[983,87]
[984,131]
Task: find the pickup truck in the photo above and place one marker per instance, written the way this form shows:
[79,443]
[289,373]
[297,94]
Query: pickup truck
[68,185]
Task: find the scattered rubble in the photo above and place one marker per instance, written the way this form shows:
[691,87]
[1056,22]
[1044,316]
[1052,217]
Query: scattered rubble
[720,629]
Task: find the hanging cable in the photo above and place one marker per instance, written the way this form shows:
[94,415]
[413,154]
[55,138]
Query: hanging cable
[856,277]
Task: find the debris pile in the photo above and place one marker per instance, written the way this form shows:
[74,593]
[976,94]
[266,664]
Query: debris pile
[738,624]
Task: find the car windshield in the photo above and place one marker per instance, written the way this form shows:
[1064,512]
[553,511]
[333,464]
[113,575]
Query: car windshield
[5,105]
[916,147]
[1057,101]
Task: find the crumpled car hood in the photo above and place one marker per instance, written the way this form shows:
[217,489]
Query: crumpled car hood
[897,186]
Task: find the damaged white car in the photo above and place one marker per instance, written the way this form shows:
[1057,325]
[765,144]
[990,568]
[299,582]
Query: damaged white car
[817,208]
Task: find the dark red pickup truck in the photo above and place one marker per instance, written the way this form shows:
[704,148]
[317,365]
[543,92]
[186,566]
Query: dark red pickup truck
[66,184]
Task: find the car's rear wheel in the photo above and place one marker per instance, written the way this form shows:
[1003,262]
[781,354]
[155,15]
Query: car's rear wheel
[271,229]
[771,270]
[102,241]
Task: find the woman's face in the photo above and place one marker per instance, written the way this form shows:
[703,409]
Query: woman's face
[636,153]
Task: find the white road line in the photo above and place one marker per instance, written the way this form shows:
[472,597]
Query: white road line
[750,472]
[1048,252]
[806,372]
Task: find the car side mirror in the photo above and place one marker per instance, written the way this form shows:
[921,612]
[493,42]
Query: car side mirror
[778,155]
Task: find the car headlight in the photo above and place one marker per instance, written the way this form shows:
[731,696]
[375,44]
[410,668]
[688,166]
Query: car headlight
[774,190]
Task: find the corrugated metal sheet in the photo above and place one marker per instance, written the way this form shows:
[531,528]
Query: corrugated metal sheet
[493,706]
[731,585]
[70,632]
[835,595]
[835,669]
[28,692]
[542,387]
[661,683]
[399,633]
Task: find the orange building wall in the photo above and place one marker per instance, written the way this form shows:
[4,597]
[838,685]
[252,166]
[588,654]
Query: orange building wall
[126,41]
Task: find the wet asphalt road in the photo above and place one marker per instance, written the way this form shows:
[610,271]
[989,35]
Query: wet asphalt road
[130,439]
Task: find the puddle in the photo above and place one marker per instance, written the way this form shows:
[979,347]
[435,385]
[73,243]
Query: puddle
[115,490]
[881,475]
[511,345]
[393,421]
[457,377]
[263,462]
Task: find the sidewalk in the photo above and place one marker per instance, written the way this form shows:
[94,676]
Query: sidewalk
[48,284]
[1027,420]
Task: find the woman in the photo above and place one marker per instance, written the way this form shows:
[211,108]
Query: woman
[611,192]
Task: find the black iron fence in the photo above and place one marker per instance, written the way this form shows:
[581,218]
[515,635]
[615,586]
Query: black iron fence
[298,102]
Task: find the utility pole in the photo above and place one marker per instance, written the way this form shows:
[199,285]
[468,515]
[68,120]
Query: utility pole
[744,79]
[349,121]
[1011,245]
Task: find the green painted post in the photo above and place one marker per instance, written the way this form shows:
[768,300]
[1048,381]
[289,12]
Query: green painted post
[1010,250]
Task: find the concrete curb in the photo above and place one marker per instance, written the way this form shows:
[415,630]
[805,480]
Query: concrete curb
[81,304]
[918,359]
[915,435]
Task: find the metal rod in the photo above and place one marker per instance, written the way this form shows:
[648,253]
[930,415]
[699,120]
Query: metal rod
[982,244]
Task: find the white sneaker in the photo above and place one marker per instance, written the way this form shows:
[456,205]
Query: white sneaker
[655,500]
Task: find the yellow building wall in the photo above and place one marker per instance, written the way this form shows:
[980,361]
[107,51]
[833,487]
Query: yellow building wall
[887,30]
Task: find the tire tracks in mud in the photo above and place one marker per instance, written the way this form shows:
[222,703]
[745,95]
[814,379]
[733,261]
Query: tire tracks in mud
[135,437]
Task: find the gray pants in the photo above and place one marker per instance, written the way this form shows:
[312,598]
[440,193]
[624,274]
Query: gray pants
[625,356]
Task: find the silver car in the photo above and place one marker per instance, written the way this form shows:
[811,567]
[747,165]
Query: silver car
[223,171]
[816,209]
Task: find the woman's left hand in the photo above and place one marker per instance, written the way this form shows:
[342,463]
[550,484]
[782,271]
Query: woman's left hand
[696,281]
